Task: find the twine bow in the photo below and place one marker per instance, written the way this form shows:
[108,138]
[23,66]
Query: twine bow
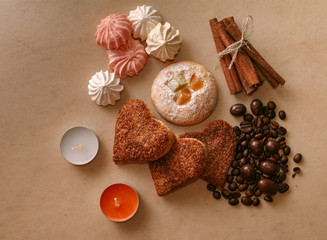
[247,29]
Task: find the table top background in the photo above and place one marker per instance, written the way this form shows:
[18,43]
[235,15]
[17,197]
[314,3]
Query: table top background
[48,54]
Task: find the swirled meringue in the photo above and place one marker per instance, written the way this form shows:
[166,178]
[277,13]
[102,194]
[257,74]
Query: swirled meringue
[144,19]
[163,42]
[104,88]
[128,60]
[113,31]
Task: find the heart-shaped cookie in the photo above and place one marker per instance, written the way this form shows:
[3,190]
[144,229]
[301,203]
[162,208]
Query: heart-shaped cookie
[139,137]
[220,139]
[184,162]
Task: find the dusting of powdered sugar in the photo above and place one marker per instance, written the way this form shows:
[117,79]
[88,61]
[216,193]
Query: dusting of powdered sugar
[202,102]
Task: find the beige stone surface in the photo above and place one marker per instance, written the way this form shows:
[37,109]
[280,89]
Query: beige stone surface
[47,55]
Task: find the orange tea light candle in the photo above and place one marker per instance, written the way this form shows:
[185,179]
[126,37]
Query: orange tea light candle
[119,202]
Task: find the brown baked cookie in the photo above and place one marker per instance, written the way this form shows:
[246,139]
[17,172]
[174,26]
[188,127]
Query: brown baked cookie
[184,93]
[220,139]
[184,162]
[139,137]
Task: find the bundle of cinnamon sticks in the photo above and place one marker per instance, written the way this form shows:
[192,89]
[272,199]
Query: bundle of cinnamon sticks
[250,69]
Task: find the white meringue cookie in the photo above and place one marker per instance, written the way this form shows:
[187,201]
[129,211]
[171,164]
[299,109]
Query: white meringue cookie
[144,19]
[104,88]
[163,42]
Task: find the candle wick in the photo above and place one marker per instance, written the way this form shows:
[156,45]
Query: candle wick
[77,147]
[116,202]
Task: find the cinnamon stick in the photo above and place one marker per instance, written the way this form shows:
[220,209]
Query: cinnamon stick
[248,90]
[270,79]
[261,77]
[231,76]
[236,34]
[243,63]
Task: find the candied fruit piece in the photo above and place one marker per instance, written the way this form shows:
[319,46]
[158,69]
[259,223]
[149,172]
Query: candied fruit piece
[196,83]
[183,96]
[177,83]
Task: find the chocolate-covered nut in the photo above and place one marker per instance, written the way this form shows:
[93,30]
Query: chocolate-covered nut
[269,168]
[256,146]
[248,172]
[267,186]
[256,107]
[272,145]
[237,109]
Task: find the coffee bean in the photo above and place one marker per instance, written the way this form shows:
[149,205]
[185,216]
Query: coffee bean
[246,129]
[256,202]
[242,136]
[274,125]
[229,178]
[296,170]
[233,201]
[248,117]
[267,133]
[245,152]
[267,186]
[258,193]
[236,172]
[211,187]
[235,194]
[237,130]
[245,123]
[232,186]
[266,120]
[244,143]
[254,155]
[269,168]
[271,105]
[234,164]
[272,114]
[248,172]
[268,198]
[239,179]
[243,161]
[283,188]
[247,201]
[276,156]
[297,157]
[284,168]
[256,107]
[237,109]
[225,193]
[282,115]
[243,187]
[258,136]
[256,146]
[281,177]
[272,146]
[238,156]
[258,122]
[282,131]
[216,195]
[252,163]
[249,193]
[280,139]
[287,150]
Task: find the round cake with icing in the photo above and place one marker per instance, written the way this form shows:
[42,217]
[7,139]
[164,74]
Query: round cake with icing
[163,42]
[127,60]
[113,31]
[184,93]
[144,19]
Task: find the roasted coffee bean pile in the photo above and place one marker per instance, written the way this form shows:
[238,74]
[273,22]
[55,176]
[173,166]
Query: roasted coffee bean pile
[260,164]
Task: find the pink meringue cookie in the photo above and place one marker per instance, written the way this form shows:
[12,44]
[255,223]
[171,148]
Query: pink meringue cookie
[113,31]
[128,60]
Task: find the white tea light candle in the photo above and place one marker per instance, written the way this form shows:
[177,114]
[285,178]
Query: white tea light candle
[79,145]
